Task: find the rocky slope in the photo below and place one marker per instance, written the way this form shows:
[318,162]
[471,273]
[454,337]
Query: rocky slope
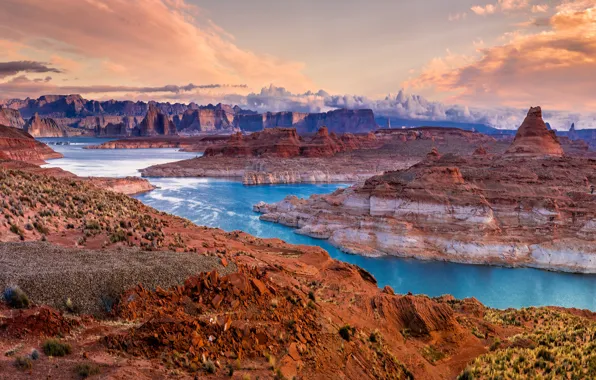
[11,118]
[127,185]
[16,144]
[517,209]
[268,309]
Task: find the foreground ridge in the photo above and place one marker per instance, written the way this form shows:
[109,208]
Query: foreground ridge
[253,307]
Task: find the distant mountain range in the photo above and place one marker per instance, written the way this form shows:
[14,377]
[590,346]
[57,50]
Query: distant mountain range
[72,115]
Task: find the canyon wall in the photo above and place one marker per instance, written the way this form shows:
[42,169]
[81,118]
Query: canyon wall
[94,116]
[339,121]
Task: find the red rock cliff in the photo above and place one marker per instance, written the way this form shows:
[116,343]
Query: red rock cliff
[16,144]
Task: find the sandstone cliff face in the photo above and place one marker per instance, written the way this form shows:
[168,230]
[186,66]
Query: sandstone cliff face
[339,121]
[206,119]
[11,118]
[156,123]
[537,210]
[533,138]
[44,127]
[16,144]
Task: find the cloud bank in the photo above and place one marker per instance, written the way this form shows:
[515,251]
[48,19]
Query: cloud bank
[132,43]
[404,106]
[549,61]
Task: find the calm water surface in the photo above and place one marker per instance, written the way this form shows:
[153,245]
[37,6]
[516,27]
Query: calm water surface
[228,205]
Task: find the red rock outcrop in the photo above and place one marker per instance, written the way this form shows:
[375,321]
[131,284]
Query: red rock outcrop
[11,118]
[525,208]
[156,123]
[16,144]
[534,139]
[43,127]
[286,143]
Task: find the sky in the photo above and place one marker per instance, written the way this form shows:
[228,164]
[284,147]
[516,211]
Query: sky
[468,60]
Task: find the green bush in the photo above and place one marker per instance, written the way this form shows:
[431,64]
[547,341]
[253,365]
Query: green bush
[85,370]
[53,347]
[16,298]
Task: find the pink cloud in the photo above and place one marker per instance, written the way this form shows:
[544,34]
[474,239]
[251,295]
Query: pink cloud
[152,41]
[554,68]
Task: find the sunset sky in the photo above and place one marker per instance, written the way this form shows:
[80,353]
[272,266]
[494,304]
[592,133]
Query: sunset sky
[477,53]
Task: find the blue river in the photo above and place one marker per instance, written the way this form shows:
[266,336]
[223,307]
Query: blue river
[228,205]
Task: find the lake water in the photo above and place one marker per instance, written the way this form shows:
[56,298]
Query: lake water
[228,205]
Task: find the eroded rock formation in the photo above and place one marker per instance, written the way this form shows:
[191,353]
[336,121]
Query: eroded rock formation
[528,207]
[11,118]
[206,119]
[533,138]
[156,123]
[43,127]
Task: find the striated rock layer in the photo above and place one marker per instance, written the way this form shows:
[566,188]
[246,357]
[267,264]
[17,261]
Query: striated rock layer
[16,144]
[281,156]
[286,143]
[537,211]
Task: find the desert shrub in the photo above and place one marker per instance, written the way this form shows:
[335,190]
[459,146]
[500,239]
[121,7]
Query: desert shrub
[466,375]
[85,370]
[53,347]
[23,363]
[40,228]
[346,332]
[16,229]
[209,366]
[16,298]
[118,236]
[432,354]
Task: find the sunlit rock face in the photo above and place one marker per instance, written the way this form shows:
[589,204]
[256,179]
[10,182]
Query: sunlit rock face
[533,138]
[528,207]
